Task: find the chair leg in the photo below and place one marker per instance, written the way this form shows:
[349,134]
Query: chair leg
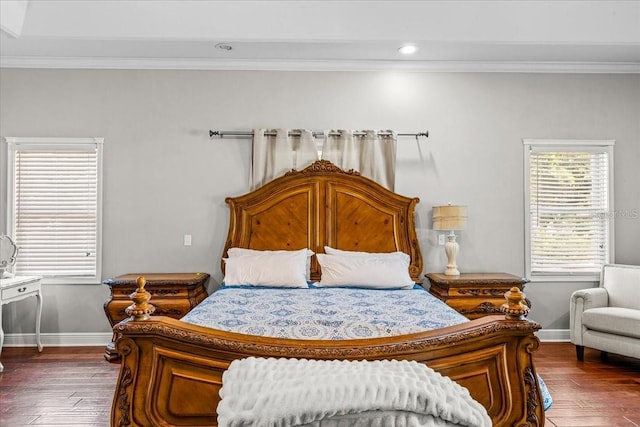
[580,352]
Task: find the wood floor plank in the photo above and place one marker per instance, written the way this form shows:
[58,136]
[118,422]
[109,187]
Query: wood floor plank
[66,386]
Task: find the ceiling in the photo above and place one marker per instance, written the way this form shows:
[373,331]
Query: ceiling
[537,35]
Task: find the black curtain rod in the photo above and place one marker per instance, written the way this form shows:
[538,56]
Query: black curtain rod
[316,134]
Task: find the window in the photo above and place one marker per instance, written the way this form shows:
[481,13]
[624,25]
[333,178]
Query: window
[568,201]
[54,207]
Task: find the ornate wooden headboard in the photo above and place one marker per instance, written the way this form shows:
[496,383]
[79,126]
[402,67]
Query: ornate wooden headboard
[324,205]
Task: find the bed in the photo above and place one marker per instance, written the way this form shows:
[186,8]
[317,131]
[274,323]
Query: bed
[171,370]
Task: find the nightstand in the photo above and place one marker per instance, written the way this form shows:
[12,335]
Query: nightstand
[474,294]
[172,294]
[17,288]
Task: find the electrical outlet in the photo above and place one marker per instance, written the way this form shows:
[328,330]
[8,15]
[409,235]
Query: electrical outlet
[442,239]
[187,239]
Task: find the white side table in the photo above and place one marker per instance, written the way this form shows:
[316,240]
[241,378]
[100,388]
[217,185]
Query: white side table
[16,289]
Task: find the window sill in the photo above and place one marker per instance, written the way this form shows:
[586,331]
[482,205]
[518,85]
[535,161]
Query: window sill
[564,278]
[71,281]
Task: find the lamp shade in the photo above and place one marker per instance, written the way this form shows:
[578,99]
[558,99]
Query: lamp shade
[449,217]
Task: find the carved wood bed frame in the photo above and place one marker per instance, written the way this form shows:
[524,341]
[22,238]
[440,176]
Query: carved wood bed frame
[171,371]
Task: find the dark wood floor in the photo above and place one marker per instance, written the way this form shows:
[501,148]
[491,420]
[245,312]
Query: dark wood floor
[74,387]
[590,393]
[62,386]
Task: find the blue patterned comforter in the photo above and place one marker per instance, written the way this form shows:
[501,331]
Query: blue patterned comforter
[323,313]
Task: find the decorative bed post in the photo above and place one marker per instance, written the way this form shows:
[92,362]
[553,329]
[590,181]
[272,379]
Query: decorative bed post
[140,309]
[515,308]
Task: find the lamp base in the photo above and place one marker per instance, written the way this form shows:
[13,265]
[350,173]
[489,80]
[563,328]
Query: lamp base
[451,271]
[451,248]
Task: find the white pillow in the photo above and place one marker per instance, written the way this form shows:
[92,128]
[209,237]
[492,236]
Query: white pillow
[364,272]
[399,255]
[237,252]
[283,269]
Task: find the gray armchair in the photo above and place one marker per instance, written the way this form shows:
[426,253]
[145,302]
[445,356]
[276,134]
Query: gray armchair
[607,318]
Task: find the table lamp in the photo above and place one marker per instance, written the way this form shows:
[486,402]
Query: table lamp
[450,218]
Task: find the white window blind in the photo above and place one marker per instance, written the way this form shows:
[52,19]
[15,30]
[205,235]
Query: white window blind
[569,205]
[55,207]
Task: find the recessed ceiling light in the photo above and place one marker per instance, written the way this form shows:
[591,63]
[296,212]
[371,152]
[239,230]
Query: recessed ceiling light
[408,50]
[224,46]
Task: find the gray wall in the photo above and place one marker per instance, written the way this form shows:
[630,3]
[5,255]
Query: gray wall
[164,177]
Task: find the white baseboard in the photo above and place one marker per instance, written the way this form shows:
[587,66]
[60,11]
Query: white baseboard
[553,335]
[79,339]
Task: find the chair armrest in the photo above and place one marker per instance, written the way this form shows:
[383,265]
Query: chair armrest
[591,298]
[582,300]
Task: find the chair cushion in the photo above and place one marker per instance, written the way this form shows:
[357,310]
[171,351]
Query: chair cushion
[613,320]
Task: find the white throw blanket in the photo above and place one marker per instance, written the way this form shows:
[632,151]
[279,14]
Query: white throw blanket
[387,393]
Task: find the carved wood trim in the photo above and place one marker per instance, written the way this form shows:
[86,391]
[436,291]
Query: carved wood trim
[297,348]
[121,409]
[531,384]
[123,401]
[482,292]
[321,166]
[164,291]
[484,308]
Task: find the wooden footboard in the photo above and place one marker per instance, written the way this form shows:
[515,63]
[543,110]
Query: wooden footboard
[171,371]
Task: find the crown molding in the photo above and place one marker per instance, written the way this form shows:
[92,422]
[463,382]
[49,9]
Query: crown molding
[316,65]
